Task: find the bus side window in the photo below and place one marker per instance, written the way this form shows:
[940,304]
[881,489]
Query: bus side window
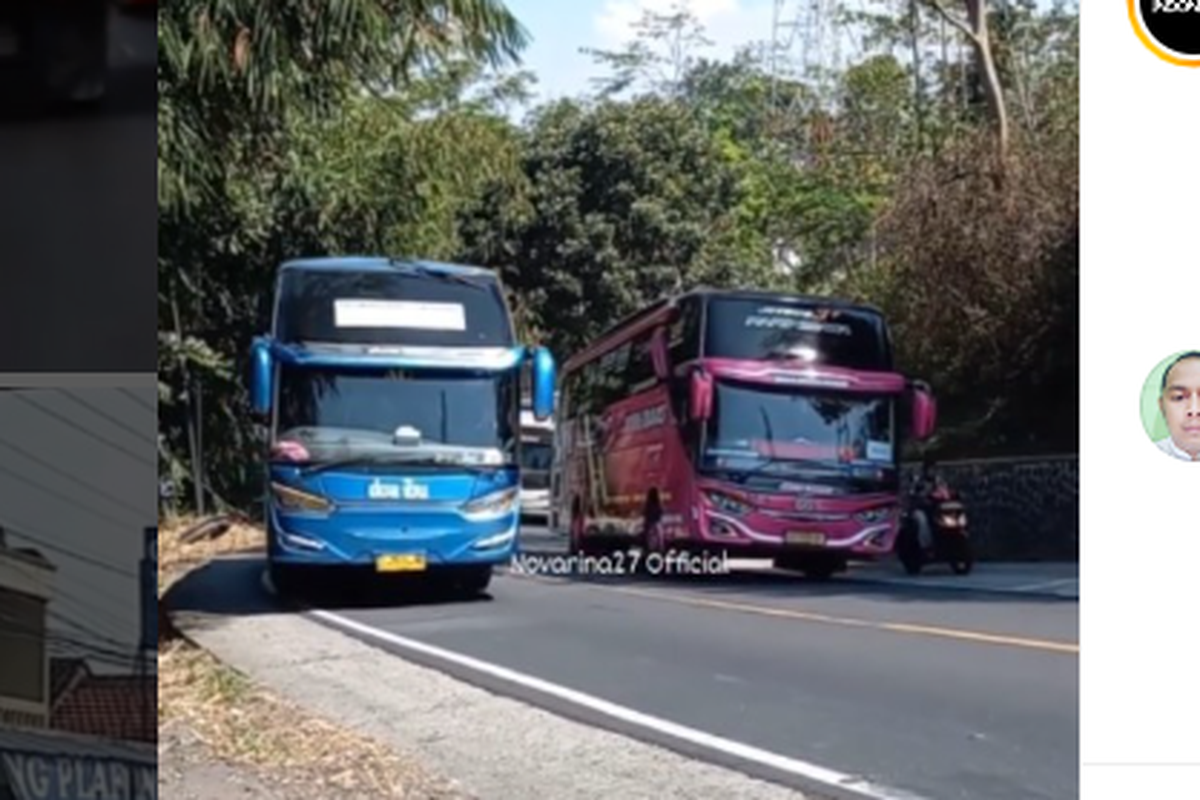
[678,388]
[610,380]
[683,343]
[639,375]
[683,337]
[567,399]
[586,395]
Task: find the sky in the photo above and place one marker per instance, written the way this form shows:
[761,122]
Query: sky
[553,54]
[78,474]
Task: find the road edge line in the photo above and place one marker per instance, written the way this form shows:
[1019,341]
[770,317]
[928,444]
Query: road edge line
[827,779]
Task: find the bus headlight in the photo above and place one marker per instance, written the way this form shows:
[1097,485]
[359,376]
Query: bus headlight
[727,504]
[290,499]
[496,504]
[873,515]
[500,539]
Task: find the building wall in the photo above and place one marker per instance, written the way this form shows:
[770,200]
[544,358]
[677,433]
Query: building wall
[1019,509]
[24,669]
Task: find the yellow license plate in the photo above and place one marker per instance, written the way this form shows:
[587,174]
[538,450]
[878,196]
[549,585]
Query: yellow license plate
[805,538]
[407,562]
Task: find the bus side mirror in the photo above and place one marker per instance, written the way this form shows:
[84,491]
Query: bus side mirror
[924,412]
[543,384]
[700,396]
[260,379]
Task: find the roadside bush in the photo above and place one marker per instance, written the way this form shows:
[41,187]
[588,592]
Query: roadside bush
[978,269]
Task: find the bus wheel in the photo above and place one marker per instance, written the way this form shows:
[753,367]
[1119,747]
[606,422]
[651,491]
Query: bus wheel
[790,562]
[575,545]
[283,579]
[651,539]
[458,580]
[814,567]
[475,579]
[908,549]
[819,570]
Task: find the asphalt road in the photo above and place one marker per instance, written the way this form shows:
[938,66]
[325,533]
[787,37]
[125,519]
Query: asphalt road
[79,223]
[942,695]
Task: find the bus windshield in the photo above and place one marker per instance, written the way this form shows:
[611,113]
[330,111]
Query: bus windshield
[783,430]
[764,329]
[392,308]
[399,415]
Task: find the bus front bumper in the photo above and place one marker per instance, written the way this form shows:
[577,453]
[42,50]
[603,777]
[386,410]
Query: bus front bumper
[427,543]
[735,536]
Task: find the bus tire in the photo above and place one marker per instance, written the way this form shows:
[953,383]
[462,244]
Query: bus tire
[908,548]
[575,543]
[821,570]
[814,566]
[283,579]
[475,580]
[651,538]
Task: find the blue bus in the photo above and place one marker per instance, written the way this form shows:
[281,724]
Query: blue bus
[391,393]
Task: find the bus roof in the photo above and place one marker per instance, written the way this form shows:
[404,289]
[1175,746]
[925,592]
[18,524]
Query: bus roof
[380,264]
[309,292]
[632,324]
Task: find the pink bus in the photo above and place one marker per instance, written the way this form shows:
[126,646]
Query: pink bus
[756,424]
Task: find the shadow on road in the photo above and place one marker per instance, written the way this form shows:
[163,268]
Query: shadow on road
[235,586]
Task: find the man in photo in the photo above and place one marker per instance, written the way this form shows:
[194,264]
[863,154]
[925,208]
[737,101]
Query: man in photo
[1179,402]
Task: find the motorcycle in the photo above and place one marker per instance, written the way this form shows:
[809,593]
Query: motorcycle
[935,530]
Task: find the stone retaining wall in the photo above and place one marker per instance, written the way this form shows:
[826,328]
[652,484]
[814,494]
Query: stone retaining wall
[1018,509]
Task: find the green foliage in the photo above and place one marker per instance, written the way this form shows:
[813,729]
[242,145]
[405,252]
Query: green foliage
[235,68]
[291,129]
[658,59]
[624,202]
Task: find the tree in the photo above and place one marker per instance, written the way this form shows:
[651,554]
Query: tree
[395,140]
[660,56]
[981,282]
[974,26]
[623,203]
[230,68]
[291,128]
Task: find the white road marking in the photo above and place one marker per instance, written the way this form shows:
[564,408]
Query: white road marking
[792,766]
[1037,587]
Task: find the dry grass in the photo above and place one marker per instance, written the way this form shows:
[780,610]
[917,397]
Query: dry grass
[176,559]
[243,724]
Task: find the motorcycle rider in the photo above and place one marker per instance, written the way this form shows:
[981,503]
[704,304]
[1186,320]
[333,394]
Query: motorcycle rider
[927,483]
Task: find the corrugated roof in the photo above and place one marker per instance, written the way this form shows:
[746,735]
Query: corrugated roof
[113,706]
[64,672]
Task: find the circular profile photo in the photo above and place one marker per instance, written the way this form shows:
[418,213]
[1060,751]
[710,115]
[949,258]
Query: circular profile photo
[1171,405]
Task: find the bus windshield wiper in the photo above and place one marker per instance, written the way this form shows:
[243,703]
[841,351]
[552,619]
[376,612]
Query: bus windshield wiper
[338,463]
[414,459]
[426,272]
